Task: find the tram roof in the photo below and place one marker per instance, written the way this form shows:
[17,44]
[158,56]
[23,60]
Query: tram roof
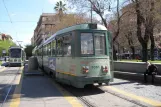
[14,47]
[34,49]
[75,27]
[81,27]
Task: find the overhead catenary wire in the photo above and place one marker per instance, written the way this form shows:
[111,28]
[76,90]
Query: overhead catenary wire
[17,21]
[10,18]
[7,11]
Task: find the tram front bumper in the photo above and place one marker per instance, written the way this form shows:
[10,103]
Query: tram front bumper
[15,64]
[80,82]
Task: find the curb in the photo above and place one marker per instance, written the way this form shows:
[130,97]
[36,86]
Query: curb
[136,77]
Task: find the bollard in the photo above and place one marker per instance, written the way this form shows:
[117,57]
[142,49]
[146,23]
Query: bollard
[32,67]
[32,64]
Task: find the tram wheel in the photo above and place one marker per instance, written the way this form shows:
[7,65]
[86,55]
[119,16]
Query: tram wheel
[107,83]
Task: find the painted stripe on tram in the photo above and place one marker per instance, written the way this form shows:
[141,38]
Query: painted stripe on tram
[67,73]
[15,102]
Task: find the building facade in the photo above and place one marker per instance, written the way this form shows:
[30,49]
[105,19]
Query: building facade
[45,28]
[32,41]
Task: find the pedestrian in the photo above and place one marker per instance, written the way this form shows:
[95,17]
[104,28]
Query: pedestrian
[5,59]
[150,70]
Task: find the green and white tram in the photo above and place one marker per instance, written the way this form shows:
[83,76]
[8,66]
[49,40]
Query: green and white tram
[77,55]
[17,56]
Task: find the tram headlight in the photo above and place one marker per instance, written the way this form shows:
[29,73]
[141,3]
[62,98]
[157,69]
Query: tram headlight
[85,69]
[104,69]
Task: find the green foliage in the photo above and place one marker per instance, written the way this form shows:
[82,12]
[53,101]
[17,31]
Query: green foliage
[60,7]
[126,60]
[28,50]
[4,45]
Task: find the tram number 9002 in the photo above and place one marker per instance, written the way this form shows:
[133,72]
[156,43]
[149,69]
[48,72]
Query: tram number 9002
[95,67]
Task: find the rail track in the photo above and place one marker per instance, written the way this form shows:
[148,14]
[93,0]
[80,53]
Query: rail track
[9,84]
[81,93]
[124,98]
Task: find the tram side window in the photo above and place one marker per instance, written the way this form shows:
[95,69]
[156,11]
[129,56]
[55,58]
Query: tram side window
[22,55]
[60,47]
[53,47]
[36,53]
[45,50]
[67,45]
[48,50]
[39,52]
[86,43]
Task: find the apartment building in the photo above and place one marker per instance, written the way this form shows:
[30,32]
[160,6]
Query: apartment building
[32,41]
[45,28]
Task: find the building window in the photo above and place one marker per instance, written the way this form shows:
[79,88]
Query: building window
[44,18]
[43,26]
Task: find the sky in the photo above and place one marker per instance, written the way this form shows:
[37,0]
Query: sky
[24,15]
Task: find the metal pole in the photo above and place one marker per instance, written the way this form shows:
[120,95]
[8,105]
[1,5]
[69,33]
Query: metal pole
[19,43]
[91,12]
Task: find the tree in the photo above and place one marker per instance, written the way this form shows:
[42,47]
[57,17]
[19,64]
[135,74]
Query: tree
[155,18]
[60,8]
[100,7]
[4,45]
[28,50]
[128,29]
[145,12]
[4,37]
[9,37]
[72,19]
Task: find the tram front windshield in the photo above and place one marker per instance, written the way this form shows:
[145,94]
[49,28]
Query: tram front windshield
[15,53]
[92,44]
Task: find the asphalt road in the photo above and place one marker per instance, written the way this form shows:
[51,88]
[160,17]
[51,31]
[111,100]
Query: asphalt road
[8,77]
[141,89]
[42,91]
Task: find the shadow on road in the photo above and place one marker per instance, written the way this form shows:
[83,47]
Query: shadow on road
[128,82]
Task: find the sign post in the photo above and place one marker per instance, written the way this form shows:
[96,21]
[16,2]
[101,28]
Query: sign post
[3,52]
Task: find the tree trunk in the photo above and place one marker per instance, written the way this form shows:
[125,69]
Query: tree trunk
[143,41]
[151,31]
[152,45]
[133,52]
[114,53]
[123,50]
[144,52]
